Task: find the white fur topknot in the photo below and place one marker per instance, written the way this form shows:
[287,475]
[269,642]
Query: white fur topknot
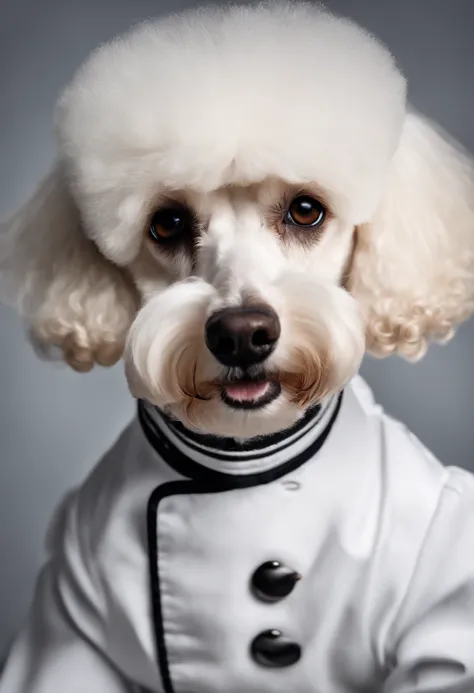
[218,96]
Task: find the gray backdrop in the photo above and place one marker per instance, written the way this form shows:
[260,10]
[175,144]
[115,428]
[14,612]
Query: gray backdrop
[54,423]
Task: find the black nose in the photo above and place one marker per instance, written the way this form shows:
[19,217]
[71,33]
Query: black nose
[242,336]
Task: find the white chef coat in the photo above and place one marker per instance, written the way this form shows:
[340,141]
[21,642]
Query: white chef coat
[148,585]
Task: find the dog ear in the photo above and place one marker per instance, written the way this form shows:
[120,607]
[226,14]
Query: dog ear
[72,297]
[413,267]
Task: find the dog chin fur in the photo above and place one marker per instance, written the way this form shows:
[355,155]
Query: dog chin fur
[233,113]
[173,369]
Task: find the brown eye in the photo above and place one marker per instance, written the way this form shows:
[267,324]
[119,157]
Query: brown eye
[305,211]
[168,223]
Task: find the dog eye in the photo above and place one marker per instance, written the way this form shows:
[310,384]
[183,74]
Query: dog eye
[305,211]
[168,223]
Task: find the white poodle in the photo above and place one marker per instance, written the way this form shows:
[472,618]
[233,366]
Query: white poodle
[241,206]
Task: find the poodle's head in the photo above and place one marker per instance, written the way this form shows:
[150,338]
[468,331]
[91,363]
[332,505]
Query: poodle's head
[241,207]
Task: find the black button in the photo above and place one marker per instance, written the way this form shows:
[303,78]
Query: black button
[274,581]
[272,649]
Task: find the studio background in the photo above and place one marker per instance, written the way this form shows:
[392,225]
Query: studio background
[54,424]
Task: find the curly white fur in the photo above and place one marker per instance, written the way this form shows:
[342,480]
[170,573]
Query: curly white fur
[414,269]
[70,294]
[223,119]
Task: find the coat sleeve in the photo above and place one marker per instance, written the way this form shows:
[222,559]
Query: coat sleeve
[60,648]
[50,656]
[432,648]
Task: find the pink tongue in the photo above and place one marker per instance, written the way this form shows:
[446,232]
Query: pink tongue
[246,392]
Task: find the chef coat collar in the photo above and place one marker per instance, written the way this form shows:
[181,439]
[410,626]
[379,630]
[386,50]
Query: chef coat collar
[232,463]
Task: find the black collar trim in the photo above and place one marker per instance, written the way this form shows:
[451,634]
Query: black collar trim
[195,471]
[230,445]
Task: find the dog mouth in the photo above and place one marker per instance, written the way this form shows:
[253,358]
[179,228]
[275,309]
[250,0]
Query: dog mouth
[250,393]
